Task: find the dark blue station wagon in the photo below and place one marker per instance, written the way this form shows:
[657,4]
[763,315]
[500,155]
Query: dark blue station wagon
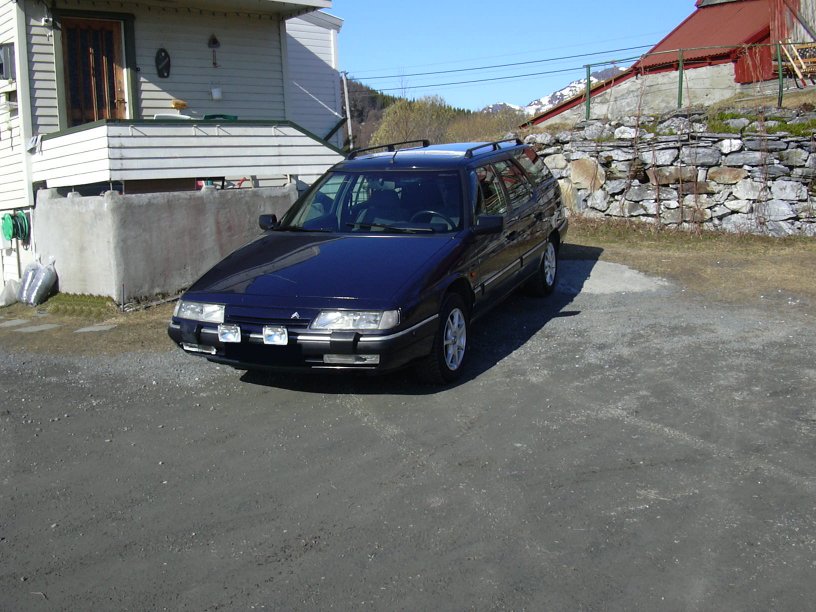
[383,263]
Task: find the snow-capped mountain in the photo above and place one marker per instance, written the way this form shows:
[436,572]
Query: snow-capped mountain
[573,89]
[557,97]
[501,106]
[565,93]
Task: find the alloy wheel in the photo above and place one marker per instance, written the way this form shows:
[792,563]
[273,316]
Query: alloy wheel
[550,264]
[455,339]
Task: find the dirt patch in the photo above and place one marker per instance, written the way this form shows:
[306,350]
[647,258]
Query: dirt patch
[145,330]
[725,267]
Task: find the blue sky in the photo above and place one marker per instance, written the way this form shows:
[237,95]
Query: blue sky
[397,39]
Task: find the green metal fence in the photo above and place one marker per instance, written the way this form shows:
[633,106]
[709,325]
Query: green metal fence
[779,54]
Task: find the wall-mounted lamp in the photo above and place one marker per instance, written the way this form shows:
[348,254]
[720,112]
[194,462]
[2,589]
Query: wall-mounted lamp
[214,44]
[47,21]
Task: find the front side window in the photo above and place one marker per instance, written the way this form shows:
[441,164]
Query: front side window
[490,199]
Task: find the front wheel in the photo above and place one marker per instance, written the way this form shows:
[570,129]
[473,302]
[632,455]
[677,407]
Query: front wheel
[444,363]
[543,282]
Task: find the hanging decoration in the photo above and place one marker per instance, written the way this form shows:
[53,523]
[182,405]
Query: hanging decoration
[163,63]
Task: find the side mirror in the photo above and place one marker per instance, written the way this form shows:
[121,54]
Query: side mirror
[268,222]
[488,224]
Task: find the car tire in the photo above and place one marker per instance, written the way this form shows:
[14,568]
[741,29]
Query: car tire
[544,281]
[447,358]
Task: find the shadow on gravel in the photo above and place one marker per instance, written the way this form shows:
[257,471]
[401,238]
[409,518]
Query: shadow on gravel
[493,338]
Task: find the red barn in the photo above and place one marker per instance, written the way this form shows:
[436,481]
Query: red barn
[724,33]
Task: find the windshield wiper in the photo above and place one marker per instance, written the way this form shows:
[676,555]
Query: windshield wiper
[392,228]
[297,228]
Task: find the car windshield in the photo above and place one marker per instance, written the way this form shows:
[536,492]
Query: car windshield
[409,202]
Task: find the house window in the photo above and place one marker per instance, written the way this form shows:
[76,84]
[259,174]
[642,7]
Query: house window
[7,62]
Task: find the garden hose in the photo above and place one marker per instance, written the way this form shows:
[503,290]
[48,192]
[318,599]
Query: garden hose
[16,226]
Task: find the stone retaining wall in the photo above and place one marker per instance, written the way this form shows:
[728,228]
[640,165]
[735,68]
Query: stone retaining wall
[745,181]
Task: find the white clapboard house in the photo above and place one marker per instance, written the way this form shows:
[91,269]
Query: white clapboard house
[160,96]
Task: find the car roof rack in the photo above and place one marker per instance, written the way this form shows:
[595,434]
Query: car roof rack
[391,147]
[494,146]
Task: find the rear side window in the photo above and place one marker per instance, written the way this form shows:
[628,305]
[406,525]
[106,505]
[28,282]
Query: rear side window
[533,165]
[516,183]
[490,199]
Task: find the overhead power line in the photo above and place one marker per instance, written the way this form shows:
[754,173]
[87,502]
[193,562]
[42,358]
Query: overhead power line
[495,56]
[502,78]
[541,61]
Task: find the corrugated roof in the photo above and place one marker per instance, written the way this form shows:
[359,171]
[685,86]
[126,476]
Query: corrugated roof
[727,25]
[713,2]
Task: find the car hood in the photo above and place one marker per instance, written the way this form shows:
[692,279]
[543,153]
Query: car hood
[340,267]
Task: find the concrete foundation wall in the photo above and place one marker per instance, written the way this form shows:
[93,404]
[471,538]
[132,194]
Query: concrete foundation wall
[656,94]
[150,244]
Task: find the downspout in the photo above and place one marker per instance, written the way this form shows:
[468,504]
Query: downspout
[348,109]
[284,47]
[287,89]
[338,103]
[24,108]
[24,114]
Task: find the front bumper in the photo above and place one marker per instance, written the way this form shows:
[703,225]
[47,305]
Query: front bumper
[307,349]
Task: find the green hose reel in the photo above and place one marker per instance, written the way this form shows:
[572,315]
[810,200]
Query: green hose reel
[17,226]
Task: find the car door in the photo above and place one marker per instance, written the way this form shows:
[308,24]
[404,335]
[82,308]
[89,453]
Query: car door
[546,194]
[525,217]
[496,256]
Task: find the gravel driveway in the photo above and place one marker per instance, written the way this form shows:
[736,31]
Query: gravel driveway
[621,445]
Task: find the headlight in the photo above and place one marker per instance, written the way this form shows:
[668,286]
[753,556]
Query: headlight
[196,311]
[356,319]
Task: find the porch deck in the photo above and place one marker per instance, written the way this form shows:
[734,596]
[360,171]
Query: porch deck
[139,150]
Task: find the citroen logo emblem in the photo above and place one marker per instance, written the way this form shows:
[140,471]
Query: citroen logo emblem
[295,315]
